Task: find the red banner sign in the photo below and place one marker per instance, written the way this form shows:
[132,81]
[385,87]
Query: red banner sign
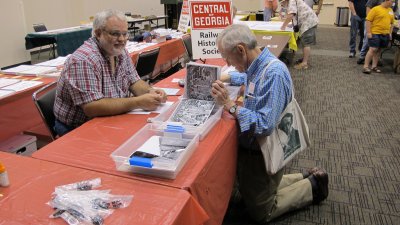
[210,15]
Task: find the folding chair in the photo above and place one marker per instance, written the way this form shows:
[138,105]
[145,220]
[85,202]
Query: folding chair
[146,63]
[44,101]
[39,27]
[187,42]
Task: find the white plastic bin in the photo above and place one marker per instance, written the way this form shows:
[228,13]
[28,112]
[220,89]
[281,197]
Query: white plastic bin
[160,121]
[20,144]
[122,154]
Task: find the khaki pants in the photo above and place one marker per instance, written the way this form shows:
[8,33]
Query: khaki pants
[267,197]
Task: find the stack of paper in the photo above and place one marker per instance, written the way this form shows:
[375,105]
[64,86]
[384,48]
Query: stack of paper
[57,62]
[6,82]
[22,85]
[29,70]
[134,46]
[9,86]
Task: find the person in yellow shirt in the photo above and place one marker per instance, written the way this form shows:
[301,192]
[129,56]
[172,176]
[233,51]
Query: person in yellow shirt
[379,26]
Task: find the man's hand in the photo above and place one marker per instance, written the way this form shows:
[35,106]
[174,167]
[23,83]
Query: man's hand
[161,93]
[149,101]
[221,94]
[369,35]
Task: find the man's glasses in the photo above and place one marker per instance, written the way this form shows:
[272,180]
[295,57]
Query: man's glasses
[117,34]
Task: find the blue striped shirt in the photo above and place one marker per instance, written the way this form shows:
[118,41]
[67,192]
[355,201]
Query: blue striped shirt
[272,93]
[237,78]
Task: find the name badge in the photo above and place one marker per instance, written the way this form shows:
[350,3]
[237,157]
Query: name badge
[251,88]
[250,93]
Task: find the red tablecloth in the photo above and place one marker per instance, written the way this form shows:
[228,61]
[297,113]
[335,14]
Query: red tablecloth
[208,175]
[33,181]
[18,112]
[170,52]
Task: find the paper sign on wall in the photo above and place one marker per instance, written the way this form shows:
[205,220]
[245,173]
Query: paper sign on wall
[184,19]
[208,18]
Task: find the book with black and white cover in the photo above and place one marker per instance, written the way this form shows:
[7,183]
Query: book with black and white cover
[197,105]
[193,112]
[199,79]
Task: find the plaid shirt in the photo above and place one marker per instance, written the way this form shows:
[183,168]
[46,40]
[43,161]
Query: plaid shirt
[272,93]
[87,77]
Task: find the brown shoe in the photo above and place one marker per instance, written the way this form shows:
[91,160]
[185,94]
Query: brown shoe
[319,183]
[311,171]
[301,66]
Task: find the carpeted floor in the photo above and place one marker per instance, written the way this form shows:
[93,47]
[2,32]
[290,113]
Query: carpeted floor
[355,130]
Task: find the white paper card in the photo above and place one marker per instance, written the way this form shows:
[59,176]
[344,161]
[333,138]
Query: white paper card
[4,93]
[6,82]
[22,85]
[152,146]
[162,108]
[169,91]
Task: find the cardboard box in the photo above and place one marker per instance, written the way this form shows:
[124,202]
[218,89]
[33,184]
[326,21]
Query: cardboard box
[20,144]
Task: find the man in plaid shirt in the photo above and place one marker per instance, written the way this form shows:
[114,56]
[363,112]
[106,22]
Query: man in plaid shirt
[99,78]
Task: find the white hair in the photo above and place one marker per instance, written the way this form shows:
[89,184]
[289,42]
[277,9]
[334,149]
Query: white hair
[101,18]
[235,34]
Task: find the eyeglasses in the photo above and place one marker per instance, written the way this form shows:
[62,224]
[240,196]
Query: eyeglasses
[117,34]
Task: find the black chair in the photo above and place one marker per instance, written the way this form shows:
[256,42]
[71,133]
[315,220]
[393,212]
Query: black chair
[260,16]
[146,62]
[40,27]
[187,42]
[44,100]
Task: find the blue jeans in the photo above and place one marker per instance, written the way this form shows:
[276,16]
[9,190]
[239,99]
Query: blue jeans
[267,14]
[61,128]
[364,48]
[357,25]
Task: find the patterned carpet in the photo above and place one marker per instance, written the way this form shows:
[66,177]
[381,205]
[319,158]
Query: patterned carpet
[354,122]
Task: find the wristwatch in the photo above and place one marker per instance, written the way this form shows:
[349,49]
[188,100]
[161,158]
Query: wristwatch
[232,109]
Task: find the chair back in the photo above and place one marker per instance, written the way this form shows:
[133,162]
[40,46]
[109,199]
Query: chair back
[39,27]
[44,100]
[146,62]
[187,41]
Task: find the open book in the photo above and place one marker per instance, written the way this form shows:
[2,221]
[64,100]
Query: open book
[198,103]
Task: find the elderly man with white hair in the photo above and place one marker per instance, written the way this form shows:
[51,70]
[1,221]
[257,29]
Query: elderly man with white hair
[268,92]
[99,78]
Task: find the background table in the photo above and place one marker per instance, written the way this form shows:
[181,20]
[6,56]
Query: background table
[33,181]
[18,113]
[208,175]
[170,53]
[66,41]
[275,43]
[133,21]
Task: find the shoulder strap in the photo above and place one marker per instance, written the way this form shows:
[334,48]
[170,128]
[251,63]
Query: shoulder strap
[265,70]
[269,64]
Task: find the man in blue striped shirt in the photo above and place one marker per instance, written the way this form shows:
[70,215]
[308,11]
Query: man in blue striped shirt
[268,92]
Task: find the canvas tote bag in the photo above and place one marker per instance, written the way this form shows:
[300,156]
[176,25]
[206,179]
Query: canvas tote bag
[289,137]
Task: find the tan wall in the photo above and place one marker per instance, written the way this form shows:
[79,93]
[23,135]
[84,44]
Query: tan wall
[328,13]
[17,18]
[327,16]
[12,26]
[248,5]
